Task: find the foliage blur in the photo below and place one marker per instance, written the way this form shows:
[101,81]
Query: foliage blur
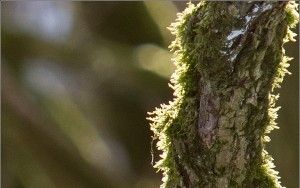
[78,79]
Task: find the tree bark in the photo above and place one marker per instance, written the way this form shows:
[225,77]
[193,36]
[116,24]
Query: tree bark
[229,60]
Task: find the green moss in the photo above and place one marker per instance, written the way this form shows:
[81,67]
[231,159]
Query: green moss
[266,173]
[168,120]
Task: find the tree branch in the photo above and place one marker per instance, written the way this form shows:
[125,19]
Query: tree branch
[229,59]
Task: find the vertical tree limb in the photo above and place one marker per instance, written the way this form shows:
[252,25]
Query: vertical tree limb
[229,59]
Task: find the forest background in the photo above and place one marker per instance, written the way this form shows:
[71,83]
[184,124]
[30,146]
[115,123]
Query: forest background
[78,79]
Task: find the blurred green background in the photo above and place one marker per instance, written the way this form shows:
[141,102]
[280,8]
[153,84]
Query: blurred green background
[78,79]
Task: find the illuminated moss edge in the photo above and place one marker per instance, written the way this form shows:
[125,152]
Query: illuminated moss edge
[167,122]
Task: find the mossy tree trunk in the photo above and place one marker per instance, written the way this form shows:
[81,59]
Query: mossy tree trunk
[229,58]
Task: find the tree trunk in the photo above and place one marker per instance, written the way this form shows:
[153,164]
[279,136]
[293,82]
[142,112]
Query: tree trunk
[229,59]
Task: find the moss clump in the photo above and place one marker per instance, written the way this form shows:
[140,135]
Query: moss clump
[167,120]
[292,19]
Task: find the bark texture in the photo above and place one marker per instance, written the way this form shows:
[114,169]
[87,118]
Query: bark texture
[229,58]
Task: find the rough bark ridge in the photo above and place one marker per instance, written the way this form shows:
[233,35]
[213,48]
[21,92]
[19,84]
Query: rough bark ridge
[229,59]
